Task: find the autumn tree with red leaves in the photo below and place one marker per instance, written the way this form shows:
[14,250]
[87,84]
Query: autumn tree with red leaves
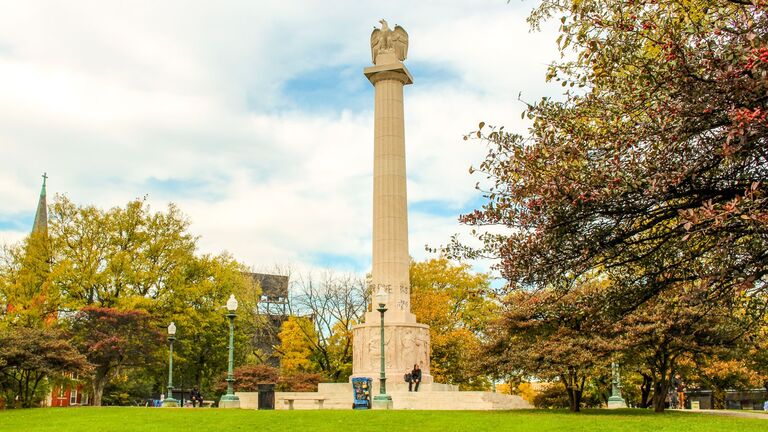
[113,340]
[652,170]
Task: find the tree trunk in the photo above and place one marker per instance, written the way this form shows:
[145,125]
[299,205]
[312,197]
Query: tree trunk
[576,403]
[100,380]
[718,398]
[574,399]
[645,391]
[660,395]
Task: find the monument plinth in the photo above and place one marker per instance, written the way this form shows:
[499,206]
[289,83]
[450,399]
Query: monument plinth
[406,341]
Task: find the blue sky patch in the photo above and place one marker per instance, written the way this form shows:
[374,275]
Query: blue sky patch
[17,221]
[336,88]
[204,189]
[432,73]
[343,87]
[341,262]
[445,208]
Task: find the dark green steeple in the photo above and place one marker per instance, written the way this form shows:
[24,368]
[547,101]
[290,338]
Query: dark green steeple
[41,217]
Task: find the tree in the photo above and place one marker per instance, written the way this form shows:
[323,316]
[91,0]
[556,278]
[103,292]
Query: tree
[297,339]
[120,256]
[196,307]
[554,334]
[720,374]
[663,152]
[128,259]
[457,305]
[27,295]
[114,339]
[332,303]
[30,355]
[757,355]
[678,324]
[654,172]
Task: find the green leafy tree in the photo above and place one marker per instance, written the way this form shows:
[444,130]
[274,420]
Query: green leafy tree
[121,257]
[669,329]
[197,308]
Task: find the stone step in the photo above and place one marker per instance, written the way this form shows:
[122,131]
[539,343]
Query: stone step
[436,400]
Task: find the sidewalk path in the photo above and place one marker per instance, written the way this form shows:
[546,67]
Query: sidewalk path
[744,414]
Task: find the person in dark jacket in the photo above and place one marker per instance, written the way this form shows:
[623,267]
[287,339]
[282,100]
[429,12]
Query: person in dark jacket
[415,378]
[196,397]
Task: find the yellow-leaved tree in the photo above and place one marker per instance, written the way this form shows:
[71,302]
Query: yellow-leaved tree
[456,304]
[296,343]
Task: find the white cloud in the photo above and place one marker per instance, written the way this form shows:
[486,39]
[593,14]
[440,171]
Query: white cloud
[107,96]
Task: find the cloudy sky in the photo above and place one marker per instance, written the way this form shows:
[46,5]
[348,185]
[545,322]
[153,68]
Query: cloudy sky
[254,116]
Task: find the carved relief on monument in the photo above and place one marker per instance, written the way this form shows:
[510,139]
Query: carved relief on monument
[408,348]
[404,346]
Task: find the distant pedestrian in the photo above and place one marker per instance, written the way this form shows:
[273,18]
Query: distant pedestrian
[415,379]
[196,397]
[680,389]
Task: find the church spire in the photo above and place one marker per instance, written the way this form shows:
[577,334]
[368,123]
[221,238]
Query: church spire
[41,217]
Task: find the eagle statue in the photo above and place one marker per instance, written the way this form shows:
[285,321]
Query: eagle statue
[388,40]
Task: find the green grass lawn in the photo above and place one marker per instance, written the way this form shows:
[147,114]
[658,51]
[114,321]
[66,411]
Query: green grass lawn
[188,420]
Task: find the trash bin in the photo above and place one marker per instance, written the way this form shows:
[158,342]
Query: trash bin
[695,405]
[361,392]
[266,396]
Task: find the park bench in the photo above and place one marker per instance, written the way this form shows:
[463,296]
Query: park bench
[205,404]
[290,399]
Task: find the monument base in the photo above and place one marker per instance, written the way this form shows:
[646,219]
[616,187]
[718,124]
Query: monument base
[405,344]
[615,402]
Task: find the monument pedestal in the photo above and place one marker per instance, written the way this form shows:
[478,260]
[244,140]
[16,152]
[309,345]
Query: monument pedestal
[615,402]
[405,344]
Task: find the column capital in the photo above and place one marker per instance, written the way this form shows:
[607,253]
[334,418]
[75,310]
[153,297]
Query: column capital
[396,71]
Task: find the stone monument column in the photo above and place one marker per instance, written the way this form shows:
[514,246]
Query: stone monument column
[406,341]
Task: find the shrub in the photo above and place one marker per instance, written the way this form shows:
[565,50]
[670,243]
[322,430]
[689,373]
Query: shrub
[248,378]
[299,382]
[551,396]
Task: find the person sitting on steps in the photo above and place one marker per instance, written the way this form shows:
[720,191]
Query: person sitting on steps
[196,397]
[415,378]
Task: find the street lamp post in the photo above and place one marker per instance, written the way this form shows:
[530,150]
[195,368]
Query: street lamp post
[616,401]
[169,401]
[382,400]
[230,400]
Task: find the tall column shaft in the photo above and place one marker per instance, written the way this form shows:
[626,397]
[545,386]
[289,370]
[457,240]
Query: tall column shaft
[391,259]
